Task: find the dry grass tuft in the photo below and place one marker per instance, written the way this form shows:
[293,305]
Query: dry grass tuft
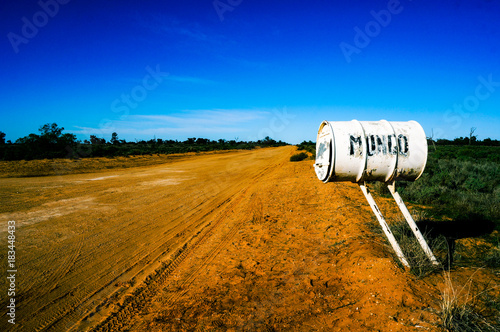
[459,309]
[420,265]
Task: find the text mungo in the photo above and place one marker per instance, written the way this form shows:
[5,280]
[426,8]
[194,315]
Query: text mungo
[379,144]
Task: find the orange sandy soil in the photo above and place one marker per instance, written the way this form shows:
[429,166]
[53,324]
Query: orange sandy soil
[237,241]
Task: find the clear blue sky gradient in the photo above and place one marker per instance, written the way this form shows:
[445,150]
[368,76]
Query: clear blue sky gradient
[248,69]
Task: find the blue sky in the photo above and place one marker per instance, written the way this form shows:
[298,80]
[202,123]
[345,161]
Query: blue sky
[248,69]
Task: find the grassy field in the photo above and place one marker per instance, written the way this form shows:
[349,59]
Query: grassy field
[463,181]
[461,185]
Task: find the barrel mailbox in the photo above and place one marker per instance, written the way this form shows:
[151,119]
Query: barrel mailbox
[370,151]
[361,151]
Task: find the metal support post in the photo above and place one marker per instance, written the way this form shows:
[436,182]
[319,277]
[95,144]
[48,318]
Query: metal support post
[383,223]
[392,188]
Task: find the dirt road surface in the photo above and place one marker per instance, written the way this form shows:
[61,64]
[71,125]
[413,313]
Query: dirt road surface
[239,241]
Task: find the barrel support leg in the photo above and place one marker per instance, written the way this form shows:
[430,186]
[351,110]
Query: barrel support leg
[411,222]
[383,223]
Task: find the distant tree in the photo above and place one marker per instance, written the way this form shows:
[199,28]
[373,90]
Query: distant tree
[472,137]
[114,138]
[461,141]
[267,141]
[202,141]
[51,143]
[66,142]
[2,137]
[67,139]
[94,140]
[431,139]
[442,141]
[31,138]
[51,129]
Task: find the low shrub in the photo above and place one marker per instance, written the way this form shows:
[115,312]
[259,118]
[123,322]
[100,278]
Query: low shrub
[493,258]
[299,156]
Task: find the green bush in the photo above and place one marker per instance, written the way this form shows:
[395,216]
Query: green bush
[299,156]
[308,146]
[493,258]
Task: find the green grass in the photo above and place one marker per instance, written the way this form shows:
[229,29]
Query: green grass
[472,153]
[458,188]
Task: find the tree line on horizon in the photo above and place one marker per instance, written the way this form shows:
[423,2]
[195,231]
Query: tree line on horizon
[51,143]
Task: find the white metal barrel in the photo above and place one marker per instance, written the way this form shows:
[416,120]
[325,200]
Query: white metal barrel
[370,151]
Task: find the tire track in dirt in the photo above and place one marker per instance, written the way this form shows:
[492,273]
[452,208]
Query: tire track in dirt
[225,238]
[52,282]
[119,320]
[178,237]
[135,302]
[181,236]
[27,303]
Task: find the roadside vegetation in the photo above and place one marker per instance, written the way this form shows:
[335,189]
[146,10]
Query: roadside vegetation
[51,143]
[307,151]
[299,156]
[308,146]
